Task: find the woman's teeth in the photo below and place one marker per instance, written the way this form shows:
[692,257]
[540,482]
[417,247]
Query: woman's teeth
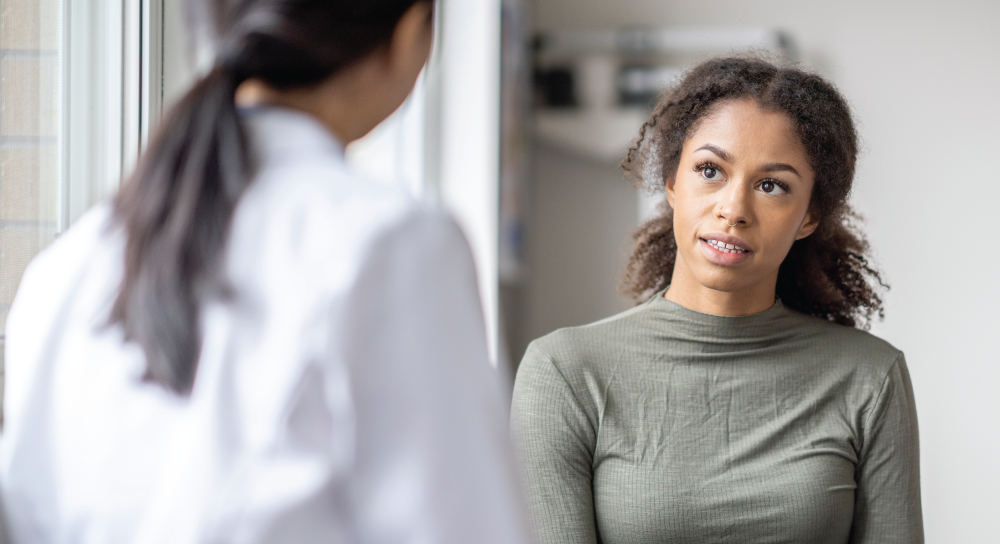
[725,248]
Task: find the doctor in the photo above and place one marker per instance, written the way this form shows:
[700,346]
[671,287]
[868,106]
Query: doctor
[250,344]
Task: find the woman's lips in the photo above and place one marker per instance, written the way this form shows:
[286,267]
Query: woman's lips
[725,252]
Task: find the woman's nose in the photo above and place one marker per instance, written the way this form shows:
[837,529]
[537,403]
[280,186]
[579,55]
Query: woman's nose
[734,206]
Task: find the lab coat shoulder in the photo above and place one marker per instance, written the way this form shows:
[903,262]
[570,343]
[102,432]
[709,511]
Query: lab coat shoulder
[429,407]
[427,404]
[419,269]
[397,273]
[47,298]
[310,224]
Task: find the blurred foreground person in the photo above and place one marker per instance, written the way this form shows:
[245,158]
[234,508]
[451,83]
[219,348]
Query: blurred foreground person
[740,402]
[251,344]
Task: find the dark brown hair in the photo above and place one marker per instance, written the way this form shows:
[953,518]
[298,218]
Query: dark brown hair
[827,274]
[177,207]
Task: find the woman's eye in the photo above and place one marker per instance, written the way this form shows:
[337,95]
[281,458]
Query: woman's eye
[771,187]
[710,173]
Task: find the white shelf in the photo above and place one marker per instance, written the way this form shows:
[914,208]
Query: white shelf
[597,134]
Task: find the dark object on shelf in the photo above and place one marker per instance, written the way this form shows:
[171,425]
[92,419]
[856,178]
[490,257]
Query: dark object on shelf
[641,85]
[554,87]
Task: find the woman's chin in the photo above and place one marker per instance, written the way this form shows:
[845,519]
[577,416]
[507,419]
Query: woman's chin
[726,279]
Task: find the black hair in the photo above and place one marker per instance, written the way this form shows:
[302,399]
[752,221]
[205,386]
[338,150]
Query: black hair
[177,207]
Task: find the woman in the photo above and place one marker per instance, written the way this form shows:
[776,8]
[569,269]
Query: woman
[251,344]
[740,403]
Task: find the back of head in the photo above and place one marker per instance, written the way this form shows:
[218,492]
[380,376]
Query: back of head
[297,43]
[177,207]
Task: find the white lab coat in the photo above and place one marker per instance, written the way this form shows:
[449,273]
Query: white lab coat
[343,395]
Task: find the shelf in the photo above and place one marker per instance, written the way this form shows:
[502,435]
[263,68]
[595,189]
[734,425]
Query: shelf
[597,134]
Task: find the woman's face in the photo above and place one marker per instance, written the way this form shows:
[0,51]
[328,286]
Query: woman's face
[740,198]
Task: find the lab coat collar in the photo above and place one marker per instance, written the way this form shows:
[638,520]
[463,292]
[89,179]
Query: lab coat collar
[278,134]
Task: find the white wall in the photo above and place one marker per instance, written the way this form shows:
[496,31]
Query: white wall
[923,78]
[580,215]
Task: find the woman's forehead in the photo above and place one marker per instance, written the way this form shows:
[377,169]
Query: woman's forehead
[743,131]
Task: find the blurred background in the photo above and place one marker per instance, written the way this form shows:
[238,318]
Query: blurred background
[517,125]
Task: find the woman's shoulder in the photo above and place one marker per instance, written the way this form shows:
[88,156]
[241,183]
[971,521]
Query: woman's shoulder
[324,185]
[322,210]
[94,241]
[852,347]
[588,351]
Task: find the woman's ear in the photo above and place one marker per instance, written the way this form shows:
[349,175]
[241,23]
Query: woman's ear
[411,41]
[669,186]
[809,225]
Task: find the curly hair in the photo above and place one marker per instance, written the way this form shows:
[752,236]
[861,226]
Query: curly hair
[827,274]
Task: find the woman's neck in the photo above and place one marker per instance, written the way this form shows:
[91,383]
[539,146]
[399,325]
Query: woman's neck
[688,292]
[349,103]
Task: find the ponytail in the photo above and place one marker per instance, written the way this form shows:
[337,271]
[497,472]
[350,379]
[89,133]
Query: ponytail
[176,210]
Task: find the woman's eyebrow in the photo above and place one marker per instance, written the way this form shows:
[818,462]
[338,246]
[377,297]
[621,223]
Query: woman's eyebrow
[769,167]
[780,167]
[722,153]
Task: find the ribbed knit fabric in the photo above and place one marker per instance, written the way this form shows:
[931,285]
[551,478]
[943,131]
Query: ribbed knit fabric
[663,424]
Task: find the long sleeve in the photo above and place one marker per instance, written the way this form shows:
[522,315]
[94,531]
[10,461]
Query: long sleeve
[887,500]
[432,457]
[553,442]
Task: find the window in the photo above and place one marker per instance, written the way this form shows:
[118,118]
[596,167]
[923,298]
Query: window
[30,121]
[65,125]
[30,131]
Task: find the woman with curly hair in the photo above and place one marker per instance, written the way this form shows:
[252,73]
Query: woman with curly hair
[742,401]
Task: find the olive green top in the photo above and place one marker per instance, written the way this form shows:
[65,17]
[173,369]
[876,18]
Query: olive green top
[662,424]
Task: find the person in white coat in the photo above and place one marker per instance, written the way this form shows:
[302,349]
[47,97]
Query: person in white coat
[250,343]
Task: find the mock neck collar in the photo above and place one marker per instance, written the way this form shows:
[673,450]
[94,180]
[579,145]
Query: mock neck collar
[279,134]
[768,323]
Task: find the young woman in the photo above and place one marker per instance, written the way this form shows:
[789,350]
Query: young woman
[741,402]
[251,344]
